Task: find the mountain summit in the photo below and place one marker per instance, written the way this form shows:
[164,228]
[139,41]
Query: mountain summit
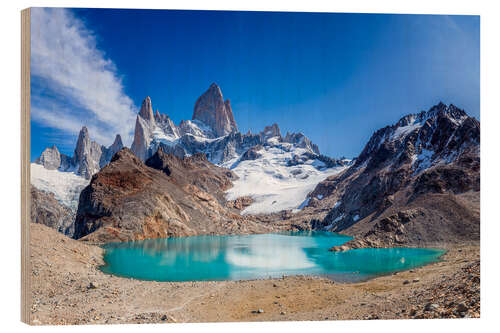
[146,110]
[211,109]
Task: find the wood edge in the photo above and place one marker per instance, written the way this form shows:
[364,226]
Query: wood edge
[25,166]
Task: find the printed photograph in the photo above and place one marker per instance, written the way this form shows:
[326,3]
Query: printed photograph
[232,166]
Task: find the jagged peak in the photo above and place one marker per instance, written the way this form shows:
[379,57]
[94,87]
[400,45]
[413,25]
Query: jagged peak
[84,131]
[211,109]
[440,106]
[83,139]
[271,131]
[440,109]
[146,111]
[118,141]
[157,113]
[214,85]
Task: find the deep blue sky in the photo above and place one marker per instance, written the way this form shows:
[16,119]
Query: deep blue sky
[335,77]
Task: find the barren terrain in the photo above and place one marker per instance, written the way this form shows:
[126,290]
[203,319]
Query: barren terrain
[69,288]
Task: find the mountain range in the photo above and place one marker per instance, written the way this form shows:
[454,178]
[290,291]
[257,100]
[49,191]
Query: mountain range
[415,181]
[88,158]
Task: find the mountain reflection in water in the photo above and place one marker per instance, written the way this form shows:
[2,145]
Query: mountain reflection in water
[235,257]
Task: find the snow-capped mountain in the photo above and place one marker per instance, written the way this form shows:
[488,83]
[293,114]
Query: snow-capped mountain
[212,131]
[276,172]
[425,139]
[431,152]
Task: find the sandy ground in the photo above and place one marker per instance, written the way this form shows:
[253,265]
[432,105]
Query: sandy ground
[68,288]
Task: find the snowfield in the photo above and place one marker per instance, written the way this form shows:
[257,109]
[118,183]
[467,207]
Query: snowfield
[275,186]
[405,130]
[66,186]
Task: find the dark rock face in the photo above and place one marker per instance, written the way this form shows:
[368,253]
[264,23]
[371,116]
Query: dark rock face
[251,154]
[159,162]
[128,200]
[387,232]
[211,109]
[66,162]
[46,210]
[301,141]
[433,152]
[447,178]
[270,132]
[108,153]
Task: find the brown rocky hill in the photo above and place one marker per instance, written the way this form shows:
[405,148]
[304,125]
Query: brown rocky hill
[167,196]
[415,182]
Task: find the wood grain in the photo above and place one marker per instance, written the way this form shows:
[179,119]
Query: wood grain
[25,165]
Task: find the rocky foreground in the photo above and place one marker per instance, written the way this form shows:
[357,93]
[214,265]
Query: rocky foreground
[68,288]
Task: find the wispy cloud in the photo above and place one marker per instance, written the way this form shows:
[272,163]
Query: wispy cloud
[77,84]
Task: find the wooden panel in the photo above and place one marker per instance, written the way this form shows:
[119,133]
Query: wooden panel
[25,166]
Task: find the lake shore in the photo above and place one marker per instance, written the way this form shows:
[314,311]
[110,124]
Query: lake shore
[68,288]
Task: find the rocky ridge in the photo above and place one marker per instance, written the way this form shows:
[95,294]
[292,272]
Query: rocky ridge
[426,163]
[88,158]
[167,196]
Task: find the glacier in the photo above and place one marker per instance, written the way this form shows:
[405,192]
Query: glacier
[273,184]
[66,186]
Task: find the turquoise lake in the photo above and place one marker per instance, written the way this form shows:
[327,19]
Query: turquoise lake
[242,257]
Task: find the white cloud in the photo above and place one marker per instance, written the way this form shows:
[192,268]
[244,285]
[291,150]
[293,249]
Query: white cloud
[66,60]
[63,120]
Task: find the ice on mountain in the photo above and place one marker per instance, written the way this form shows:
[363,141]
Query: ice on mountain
[273,184]
[66,186]
[403,131]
